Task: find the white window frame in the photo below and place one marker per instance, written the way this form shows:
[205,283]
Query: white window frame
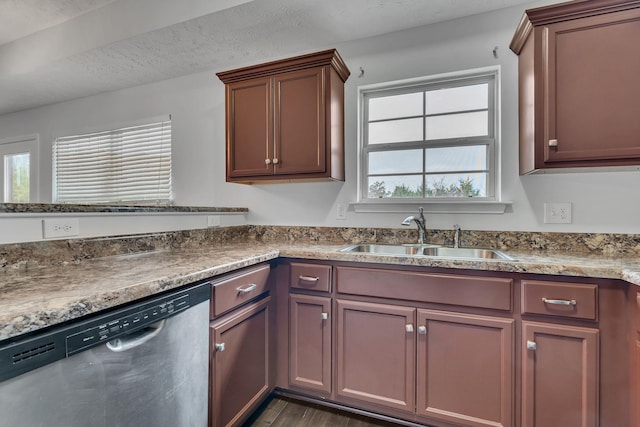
[18,145]
[491,203]
[105,129]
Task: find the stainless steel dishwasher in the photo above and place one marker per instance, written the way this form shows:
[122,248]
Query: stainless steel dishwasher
[142,365]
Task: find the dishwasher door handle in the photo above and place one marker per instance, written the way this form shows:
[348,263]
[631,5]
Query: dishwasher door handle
[135,339]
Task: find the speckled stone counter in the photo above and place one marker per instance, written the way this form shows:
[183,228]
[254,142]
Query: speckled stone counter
[36,298]
[35,294]
[36,208]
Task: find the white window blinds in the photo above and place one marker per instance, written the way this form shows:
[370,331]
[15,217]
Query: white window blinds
[132,164]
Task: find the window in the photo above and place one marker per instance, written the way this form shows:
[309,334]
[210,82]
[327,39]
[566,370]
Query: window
[18,169]
[430,140]
[131,164]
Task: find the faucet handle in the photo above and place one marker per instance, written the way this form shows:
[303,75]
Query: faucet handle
[421,210]
[456,236]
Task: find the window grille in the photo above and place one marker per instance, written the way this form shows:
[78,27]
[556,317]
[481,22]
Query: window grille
[431,139]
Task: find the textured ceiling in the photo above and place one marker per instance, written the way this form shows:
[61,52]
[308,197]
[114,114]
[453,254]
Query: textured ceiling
[19,18]
[57,50]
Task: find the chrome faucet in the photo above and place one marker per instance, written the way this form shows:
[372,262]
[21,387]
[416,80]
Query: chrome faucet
[420,222]
[456,236]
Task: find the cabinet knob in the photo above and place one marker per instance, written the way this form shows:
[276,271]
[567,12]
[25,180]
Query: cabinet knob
[276,161]
[267,161]
[422,330]
[531,345]
[219,346]
[409,327]
[553,143]
[324,316]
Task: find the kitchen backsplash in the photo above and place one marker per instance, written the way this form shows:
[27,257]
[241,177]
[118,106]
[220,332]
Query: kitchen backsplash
[60,252]
[583,243]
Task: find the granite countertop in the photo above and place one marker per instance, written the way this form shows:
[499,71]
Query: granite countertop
[40,208]
[32,299]
[36,298]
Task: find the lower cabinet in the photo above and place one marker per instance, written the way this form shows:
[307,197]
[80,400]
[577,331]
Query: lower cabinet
[559,375]
[239,363]
[450,349]
[376,353]
[310,343]
[465,368]
[452,367]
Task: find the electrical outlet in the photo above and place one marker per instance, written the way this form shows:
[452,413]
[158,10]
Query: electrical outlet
[557,213]
[60,227]
[341,211]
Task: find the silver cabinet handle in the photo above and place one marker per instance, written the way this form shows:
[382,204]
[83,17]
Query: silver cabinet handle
[422,330]
[559,301]
[409,327]
[309,278]
[531,345]
[246,289]
[267,161]
[553,143]
[324,316]
[219,346]
[276,161]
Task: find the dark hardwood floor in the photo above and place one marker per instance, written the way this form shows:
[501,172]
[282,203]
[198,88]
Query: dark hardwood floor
[285,412]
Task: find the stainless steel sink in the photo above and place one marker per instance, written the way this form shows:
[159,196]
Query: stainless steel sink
[474,253]
[429,251]
[379,248]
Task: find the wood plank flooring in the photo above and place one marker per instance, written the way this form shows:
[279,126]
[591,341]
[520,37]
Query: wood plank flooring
[285,412]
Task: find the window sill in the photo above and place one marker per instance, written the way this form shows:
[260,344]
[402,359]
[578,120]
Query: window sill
[391,206]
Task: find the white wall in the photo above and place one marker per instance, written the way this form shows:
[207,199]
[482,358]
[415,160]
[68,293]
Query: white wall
[602,202]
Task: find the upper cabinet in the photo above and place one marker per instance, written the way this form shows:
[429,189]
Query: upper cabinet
[578,85]
[285,119]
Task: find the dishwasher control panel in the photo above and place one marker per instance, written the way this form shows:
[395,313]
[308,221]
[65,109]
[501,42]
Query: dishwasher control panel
[121,324]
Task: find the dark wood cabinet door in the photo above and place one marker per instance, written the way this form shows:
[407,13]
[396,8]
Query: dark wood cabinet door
[592,91]
[285,119]
[310,342]
[299,117]
[465,369]
[376,353]
[249,128]
[559,375]
[239,366]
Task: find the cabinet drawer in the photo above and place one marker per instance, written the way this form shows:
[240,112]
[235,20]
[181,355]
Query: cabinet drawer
[233,291]
[316,277]
[578,300]
[469,291]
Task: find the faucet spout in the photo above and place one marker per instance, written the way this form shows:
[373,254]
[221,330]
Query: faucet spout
[407,220]
[420,222]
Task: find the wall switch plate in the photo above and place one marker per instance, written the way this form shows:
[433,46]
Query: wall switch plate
[341,211]
[60,227]
[557,213]
[213,220]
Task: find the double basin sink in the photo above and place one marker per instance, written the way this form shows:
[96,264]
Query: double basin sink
[427,250]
